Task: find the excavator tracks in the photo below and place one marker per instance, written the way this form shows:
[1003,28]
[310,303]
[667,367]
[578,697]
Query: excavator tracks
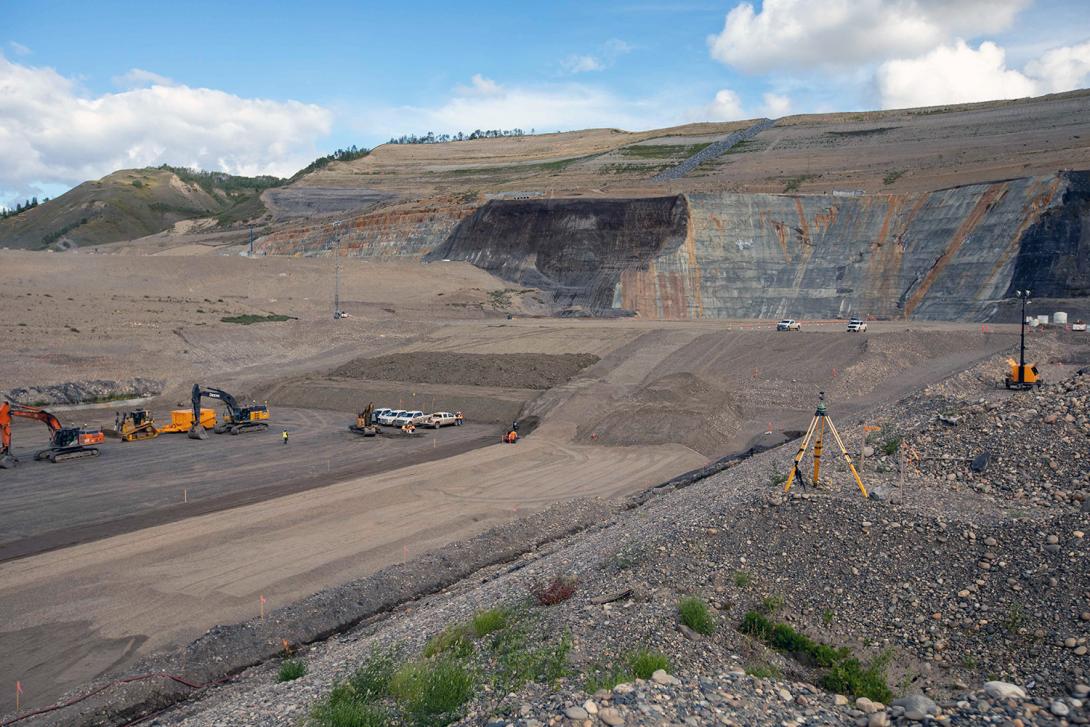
[65,455]
[241,428]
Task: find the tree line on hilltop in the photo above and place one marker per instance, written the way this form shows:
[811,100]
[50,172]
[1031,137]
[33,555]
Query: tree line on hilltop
[20,208]
[433,138]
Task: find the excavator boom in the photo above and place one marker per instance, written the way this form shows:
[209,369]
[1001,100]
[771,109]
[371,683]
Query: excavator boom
[65,442]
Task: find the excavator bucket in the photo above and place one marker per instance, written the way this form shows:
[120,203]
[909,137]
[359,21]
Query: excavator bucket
[197,432]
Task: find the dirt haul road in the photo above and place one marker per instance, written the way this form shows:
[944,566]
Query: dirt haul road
[135,485]
[75,613]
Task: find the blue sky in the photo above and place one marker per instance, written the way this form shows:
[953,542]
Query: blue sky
[265,87]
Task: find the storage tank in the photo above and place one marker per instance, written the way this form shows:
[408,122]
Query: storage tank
[1032,322]
[1042,319]
[1059,318]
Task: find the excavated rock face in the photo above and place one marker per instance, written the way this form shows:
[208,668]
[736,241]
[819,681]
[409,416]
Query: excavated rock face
[1054,255]
[950,254]
[576,248]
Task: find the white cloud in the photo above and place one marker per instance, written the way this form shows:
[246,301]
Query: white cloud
[139,78]
[1061,69]
[479,86]
[801,34]
[52,133]
[581,64]
[776,105]
[958,73]
[18,48]
[604,58]
[727,106]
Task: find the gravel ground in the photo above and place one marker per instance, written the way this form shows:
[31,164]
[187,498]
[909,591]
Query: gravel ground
[947,581]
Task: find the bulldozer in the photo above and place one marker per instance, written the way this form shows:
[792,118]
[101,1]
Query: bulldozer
[237,419]
[365,425]
[130,426]
[64,442]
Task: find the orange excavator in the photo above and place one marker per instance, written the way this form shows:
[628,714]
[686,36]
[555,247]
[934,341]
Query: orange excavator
[64,442]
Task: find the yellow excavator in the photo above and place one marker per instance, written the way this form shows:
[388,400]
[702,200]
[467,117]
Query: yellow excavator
[365,423]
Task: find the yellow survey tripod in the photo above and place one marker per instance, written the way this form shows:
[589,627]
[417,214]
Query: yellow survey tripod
[817,426]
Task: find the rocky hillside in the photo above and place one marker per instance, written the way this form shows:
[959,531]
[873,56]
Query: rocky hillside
[132,203]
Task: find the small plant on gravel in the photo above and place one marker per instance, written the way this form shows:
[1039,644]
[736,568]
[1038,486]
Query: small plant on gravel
[844,674]
[518,661]
[764,670]
[628,558]
[968,660]
[694,613]
[486,622]
[454,640]
[603,677]
[1014,618]
[849,676]
[776,479]
[291,669]
[644,663]
[433,691]
[891,445]
[772,604]
[742,579]
[892,176]
[827,616]
[558,590]
[342,709]
[371,681]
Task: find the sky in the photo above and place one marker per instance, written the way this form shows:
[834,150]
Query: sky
[265,88]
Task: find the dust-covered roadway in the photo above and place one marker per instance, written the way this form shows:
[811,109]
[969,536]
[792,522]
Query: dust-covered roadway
[77,612]
[135,485]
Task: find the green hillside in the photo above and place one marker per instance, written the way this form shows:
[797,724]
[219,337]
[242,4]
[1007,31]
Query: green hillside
[132,203]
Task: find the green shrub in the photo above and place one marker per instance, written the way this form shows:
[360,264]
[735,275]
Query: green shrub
[342,708]
[845,674]
[371,682]
[772,604]
[764,671]
[249,319]
[892,176]
[849,676]
[518,663]
[891,445]
[486,622]
[602,677]
[454,640]
[644,663]
[742,579]
[827,616]
[291,669]
[694,613]
[432,692]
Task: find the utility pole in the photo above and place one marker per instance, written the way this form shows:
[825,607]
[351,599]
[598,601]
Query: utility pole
[1024,295]
[337,282]
[337,293]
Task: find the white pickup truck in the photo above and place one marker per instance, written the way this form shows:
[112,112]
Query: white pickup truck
[441,419]
[408,417]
